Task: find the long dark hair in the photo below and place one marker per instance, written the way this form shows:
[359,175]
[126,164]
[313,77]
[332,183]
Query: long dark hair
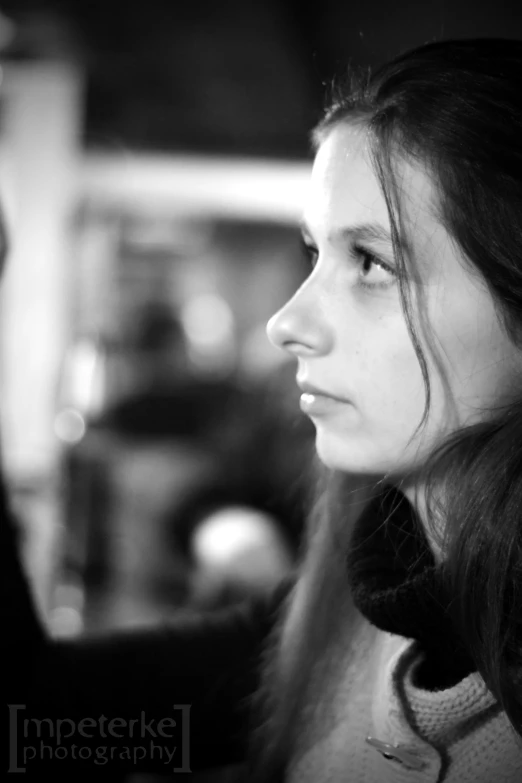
[456,108]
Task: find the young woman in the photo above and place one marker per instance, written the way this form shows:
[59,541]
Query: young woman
[397,653]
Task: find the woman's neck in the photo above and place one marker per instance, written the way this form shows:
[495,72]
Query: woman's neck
[426,513]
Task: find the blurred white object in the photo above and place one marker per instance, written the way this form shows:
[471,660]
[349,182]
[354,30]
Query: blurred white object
[66,618]
[209,325]
[42,108]
[39,145]
[83,388]
[191,184]
[241,548]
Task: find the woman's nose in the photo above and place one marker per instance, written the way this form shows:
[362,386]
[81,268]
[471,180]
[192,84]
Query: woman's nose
[300,327]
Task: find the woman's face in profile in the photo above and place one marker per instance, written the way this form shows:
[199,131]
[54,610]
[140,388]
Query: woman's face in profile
[347,329]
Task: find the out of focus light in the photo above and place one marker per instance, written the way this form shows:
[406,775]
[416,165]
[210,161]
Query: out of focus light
[66,619]
[69,426]
[226,537]
[210,329]
[243,545]
[84,373]
[208,320]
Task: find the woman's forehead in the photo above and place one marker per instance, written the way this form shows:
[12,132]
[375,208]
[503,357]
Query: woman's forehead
[345,187]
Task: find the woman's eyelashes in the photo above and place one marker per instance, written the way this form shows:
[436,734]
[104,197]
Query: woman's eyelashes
[309,251]
[373,272]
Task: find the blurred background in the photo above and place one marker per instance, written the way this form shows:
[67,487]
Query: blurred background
[153,163]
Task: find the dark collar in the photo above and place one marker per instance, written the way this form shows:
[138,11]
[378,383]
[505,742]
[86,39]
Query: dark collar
[397,586]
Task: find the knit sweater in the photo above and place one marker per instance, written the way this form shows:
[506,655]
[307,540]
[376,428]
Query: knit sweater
[409,705]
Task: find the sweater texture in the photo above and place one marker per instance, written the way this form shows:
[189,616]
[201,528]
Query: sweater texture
[408,704]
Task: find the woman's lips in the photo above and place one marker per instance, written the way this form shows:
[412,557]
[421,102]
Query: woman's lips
[317,404]
[315,401]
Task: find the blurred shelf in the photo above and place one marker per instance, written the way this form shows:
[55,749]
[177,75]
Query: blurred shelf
[184,184]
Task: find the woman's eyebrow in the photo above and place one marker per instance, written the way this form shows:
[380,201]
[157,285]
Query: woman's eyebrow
[357,232]
[361,231]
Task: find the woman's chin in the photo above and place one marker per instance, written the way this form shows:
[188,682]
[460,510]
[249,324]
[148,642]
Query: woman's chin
[338,455]
[357,463]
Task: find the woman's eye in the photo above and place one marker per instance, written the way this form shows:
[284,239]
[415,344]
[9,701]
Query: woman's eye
[374,273]
[310,252]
